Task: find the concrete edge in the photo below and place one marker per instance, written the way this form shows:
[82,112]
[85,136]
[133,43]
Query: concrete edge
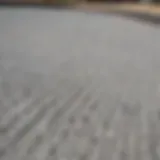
[142,16]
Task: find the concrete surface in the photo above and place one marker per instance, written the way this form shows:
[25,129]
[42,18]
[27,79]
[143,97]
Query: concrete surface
[78,86]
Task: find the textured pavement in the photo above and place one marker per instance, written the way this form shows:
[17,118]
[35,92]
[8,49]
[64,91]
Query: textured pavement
[78,86]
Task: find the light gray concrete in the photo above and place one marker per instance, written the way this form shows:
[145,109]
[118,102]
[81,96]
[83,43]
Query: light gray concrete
[78,86]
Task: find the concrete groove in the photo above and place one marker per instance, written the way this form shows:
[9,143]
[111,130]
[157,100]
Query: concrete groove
[30,125]
[75,111]
[27,106]
[62,108]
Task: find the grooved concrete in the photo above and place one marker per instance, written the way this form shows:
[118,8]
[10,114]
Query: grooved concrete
[78,86]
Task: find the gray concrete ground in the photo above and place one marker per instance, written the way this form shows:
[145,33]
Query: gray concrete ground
[78,86]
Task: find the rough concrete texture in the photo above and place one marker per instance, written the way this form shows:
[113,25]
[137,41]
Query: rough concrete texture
[78,86]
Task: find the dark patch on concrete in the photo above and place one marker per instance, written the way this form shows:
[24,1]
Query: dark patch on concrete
[65,134]
[36,142]
[83,156]
[53,150]
[27,91]
[6,128]
[153,138]
[126,109]
[72,119]
[6,88]
[94,106]
[3,130]
[105,124]
[85,119]
[158,114]
[2,152]
[15,102]
[94,140]
[123,156]
[86,99]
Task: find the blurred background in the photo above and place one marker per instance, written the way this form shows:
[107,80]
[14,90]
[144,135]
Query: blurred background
[149,6]
[52,1]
